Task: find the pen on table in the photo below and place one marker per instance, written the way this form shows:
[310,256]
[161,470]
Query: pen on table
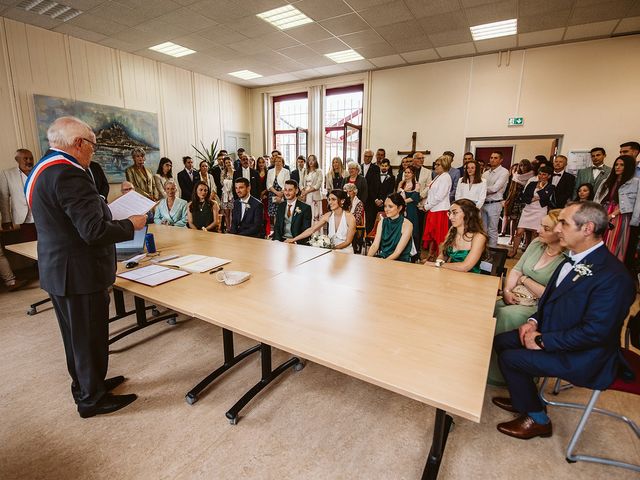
[216,270]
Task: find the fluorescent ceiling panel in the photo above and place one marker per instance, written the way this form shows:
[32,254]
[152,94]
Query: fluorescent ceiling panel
[170,48]
[344,56]
[285,17]
[495,29]
[245,74]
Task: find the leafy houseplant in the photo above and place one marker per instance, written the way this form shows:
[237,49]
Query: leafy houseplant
[208,154]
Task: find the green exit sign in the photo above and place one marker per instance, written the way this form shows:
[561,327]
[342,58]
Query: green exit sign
[516,121]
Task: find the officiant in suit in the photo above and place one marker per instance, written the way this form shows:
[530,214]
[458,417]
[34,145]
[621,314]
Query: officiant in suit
[594,175]
[575,333]
[293,216]
[247,215]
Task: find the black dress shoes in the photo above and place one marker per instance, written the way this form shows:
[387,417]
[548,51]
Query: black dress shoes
[504,403]
[107,404]
[111,383]
[525,428]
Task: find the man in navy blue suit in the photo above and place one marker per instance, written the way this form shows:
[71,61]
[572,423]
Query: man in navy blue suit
[575,334]
[247,216]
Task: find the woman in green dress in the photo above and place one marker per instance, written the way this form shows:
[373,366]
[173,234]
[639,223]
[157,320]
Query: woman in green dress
[393,235]
[526,283]
[464,245]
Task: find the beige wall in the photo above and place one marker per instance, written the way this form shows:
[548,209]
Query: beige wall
[190,107]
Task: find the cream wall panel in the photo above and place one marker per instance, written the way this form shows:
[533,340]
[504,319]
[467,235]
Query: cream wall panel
[207,106]
[96,73]
[140,83]
[235,104]
[9,136]
[178,127]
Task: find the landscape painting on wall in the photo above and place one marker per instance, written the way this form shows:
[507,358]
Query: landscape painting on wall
[117,130]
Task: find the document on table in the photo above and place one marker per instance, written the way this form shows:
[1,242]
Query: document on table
[131,203]
[196,263]
[153,275]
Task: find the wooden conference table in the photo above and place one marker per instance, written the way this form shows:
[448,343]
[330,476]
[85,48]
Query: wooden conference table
[422,332]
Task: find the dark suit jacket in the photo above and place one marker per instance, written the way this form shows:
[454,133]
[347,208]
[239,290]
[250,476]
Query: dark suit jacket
[299,221]
[216,172]
[102,184]
[564,189]
[252,225]
[581,320]
[546,194]
[76,236]
[186,184]
[253,181]
[361,185]
[373,183]
[386,188]
[295,175]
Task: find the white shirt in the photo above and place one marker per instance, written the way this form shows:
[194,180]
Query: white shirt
[29,218]
[246,173]
[556,177]
[365,168]
[476,192]
[245,205]
[497,180]
[576,258]
[595,171]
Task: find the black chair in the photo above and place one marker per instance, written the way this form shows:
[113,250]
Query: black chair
[494,263]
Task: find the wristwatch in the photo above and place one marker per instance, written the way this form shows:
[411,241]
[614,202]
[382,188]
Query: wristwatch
[538,340]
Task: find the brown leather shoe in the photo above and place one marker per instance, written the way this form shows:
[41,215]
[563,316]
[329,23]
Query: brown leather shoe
[525,428]
[504,403]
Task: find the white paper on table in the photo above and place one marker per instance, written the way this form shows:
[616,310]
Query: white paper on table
[207,263]
[180,261]
[153,275]
[131,203]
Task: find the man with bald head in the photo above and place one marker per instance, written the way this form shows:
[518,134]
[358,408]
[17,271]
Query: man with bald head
[13,204]
[371,173]
[76,259]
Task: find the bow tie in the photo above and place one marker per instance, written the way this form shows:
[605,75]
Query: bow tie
[597,168]
[557,175]
[568,259]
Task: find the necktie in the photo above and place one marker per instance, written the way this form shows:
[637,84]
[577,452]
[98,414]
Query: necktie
[289,211]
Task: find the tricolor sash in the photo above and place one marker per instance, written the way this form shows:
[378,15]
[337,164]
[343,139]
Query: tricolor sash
[55,157]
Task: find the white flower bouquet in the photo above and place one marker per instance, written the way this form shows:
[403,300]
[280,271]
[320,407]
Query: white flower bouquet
[321,241]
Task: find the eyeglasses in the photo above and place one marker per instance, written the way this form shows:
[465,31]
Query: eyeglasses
[93,144]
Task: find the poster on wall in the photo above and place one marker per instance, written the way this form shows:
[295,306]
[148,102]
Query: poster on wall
[118,130]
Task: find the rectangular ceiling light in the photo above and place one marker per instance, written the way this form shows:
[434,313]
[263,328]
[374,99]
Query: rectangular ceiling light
[344,56]
[170,48]
[245,74]
[50,8]
[495,29]
[285,17]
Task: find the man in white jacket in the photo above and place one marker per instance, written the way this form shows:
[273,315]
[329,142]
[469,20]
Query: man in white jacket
[13,203]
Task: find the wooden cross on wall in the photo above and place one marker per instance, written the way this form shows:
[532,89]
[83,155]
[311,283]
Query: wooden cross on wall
[414,137]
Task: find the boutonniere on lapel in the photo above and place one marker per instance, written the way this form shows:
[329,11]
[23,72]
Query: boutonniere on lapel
[582,270]
[297,210]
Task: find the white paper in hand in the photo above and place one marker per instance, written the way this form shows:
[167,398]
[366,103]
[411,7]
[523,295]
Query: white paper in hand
[131,203]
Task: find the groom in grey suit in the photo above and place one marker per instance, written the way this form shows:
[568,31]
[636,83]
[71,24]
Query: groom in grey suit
[596,174]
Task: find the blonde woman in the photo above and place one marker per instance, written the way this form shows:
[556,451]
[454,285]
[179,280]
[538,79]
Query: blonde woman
[276,177]
[437,205]
[227,190]
[335,176]
[311,194]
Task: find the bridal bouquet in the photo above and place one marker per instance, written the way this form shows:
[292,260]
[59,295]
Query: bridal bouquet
[322,241]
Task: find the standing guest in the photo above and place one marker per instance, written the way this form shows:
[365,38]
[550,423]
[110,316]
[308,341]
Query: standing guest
[404,163]
[595,174]
[357,210]
[585,193]
[216,173]
[6,274]
[187,179]
[526,283]
[245,171]
[538,197]
[203,211]
[513,204]
[263,193]
[293,216]
[13,203]
[409,188]
[275,182]
[204,176]
[620,195]
[563,181]
[381,154]
[252,162]
[466,240]
[312,191]
[387,184]
[99,178]
[472,186]
[632,149]
[455,175]
[575,332]
[393,235]
[299,174]
[246,218]
[466,158]
[239,155]
[170,210]
[140,176]
[163,175]
[341,224]
[76,260]
[423,176]
[437,205]
[497,178]
[371,173]
[354,176]
[335,176]
[227,191]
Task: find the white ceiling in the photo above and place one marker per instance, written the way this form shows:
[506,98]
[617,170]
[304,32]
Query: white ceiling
[228,36]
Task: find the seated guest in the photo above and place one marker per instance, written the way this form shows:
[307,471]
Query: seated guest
[575,333]
[126,187]
[335,176]
[387,185]
[357,179]
[293,216]
[437,205]
[247,216]
[538,198]
[585,193]
[171,210]
[526,283]
[357,210]
[300,172]
[341,224]
[393,235]
[163,175]
[140,176]
[203,214]
[466,241]
[472,186]
[7,276]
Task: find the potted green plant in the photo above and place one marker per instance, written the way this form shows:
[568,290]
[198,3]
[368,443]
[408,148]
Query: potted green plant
[208,154]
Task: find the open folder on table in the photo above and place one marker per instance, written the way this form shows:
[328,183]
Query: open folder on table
[196,263]
[153,275]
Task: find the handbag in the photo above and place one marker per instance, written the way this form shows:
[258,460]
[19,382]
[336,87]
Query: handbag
[524,296]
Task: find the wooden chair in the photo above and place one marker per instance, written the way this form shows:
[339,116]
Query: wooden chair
[371,236]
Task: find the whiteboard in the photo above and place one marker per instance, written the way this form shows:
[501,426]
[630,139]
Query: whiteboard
[578,159]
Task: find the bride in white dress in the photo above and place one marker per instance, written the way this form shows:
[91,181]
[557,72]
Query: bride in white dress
[341,223]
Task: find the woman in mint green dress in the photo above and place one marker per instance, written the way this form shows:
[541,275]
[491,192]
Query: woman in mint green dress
[464,245]
[393,236]
[532,272]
